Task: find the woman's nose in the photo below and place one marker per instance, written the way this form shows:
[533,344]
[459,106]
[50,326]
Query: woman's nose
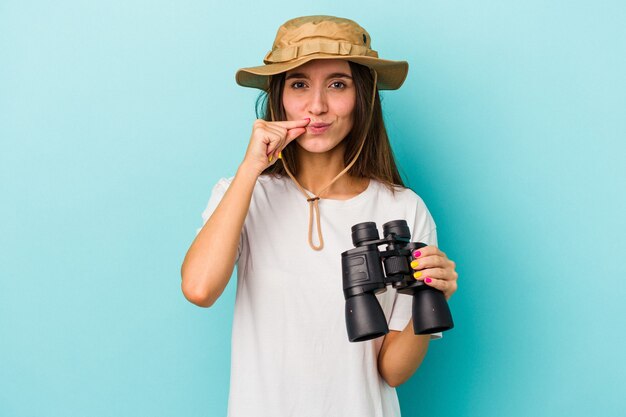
[318,103]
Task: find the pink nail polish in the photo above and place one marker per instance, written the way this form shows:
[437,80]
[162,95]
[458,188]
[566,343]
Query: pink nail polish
[428,280]
[417,254]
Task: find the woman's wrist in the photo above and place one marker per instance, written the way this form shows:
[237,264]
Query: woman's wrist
[248,171]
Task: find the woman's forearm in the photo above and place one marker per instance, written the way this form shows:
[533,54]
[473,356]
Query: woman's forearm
[401,354]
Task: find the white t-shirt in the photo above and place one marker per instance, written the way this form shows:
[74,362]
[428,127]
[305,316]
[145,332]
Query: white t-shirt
[290,351]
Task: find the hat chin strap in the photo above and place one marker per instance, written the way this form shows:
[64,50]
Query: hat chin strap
[314,201]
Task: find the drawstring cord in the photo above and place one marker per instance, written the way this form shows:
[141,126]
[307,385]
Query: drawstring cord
[314,209]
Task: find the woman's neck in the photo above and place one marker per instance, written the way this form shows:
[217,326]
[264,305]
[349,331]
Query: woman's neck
[317,170]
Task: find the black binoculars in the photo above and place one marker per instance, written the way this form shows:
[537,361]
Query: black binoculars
[363,277]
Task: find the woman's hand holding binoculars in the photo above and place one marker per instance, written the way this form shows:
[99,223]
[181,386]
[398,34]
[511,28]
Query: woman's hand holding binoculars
[434,268]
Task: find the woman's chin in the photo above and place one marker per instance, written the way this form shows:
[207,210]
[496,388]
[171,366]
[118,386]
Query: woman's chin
[316,143]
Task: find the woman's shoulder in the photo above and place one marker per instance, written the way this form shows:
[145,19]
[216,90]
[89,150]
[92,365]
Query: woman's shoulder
[397,192]
[224,182]
[269,183]
[272,179]
[262,179]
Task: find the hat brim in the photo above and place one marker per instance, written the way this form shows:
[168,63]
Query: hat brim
[391,74]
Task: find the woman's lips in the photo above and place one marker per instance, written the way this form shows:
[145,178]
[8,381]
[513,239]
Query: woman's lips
[317,128]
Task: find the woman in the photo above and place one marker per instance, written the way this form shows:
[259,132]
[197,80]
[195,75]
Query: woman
[290,351]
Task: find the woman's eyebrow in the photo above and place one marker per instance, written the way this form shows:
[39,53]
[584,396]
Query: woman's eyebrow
[333,75]
[339,75]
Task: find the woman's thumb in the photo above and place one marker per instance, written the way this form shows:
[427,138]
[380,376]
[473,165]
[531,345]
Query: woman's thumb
[294,133]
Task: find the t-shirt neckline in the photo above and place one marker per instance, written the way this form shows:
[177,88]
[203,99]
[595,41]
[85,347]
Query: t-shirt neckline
[362,196]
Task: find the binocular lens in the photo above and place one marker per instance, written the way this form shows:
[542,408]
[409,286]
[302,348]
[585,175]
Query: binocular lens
[398,227]
[431,313]
[364,232]
[365,319]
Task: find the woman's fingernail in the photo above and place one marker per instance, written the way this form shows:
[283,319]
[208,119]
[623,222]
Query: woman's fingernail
[271,157]
[280,155]
[417,274]
[428,280]
[416,254]
[414,264]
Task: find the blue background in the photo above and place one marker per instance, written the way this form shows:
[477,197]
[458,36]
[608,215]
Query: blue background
[118,117]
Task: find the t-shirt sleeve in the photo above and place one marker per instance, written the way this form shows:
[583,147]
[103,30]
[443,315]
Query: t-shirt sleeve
[423,230]
[216,196]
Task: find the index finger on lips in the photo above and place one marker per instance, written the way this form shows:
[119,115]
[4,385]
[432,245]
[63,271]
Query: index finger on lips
[290,124]
[279,131]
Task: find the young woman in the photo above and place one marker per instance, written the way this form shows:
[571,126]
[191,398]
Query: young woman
[290,351]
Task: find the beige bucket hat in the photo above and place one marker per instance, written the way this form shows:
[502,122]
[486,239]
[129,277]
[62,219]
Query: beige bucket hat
[303,39]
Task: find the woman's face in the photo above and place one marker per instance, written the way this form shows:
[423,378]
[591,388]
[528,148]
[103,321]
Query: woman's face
[322,90]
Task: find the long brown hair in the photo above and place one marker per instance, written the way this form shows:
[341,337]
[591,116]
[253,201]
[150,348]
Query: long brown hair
[376,159]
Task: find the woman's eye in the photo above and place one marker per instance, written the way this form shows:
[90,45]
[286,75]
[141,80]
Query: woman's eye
[297,85]
[338,84]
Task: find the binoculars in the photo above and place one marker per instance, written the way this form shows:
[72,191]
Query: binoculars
[363,277]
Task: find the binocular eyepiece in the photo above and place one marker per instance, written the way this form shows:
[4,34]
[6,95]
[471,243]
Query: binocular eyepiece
[363,277]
